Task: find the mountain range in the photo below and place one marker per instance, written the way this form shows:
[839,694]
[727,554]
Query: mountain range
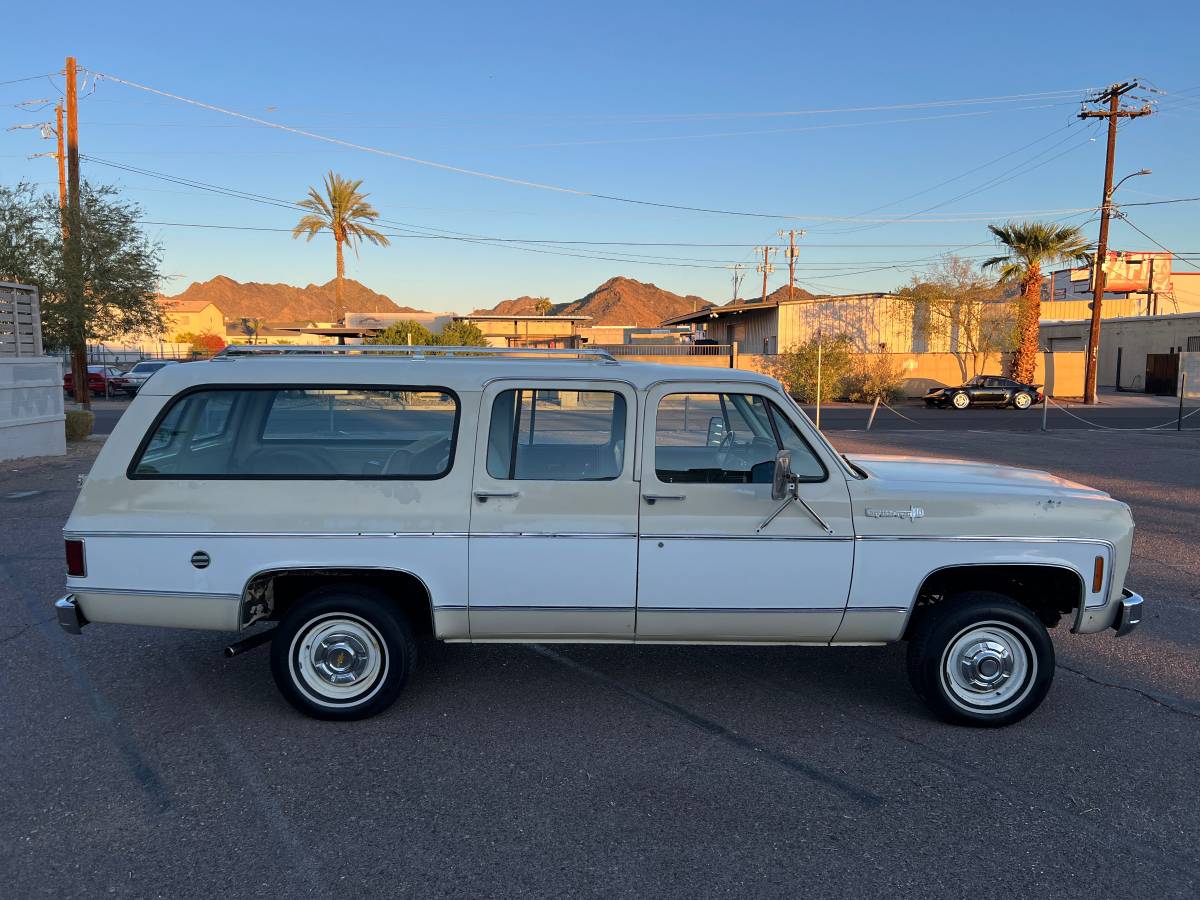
[618,301]
[280,303]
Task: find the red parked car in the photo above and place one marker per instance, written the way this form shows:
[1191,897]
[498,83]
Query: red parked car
[99,380]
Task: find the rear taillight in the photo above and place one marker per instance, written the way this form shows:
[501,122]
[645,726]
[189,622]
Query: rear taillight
[76,564]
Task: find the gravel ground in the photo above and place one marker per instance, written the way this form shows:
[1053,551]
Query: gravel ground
[141,763]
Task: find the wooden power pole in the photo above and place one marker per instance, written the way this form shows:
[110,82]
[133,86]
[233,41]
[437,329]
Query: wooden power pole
[1110,96]
[792,254]
[62,170]
[766,267]
[72,249]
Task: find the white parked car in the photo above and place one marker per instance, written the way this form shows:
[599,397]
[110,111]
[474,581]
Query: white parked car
[363,497]
[131,382]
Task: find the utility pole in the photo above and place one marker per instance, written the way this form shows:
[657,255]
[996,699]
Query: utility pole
[739,272]
[766,267]
[1111,96]
[72,250]
[62,170]
[792,254]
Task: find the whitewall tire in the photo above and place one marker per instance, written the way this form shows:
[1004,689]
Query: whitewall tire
[343,652]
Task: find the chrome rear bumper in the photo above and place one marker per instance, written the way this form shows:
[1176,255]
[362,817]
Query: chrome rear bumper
[1129,615]
[70,616]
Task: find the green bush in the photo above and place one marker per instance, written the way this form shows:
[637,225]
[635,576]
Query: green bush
[79,424]
[797,368]
[874,375]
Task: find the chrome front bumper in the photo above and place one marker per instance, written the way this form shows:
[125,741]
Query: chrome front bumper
[70,616]
[1129,615]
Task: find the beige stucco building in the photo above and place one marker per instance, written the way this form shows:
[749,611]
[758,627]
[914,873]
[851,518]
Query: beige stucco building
[874,322]
[1126,343]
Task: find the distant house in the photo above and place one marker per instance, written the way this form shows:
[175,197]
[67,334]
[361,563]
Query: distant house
[530,331]
[192,317]
[874,322]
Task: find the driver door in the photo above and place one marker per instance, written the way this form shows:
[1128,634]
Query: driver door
[707,568]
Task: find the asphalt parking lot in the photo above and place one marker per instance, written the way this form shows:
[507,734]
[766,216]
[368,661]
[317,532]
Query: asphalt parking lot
[141,763]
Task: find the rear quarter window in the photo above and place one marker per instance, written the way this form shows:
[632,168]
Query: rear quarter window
[302,433]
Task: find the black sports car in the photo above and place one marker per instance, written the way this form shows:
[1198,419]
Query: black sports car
[985,390]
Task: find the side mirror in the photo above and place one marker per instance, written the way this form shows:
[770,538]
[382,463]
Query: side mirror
[716,431]
[783,484]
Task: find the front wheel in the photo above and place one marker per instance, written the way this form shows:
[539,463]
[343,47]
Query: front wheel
[343,652]
[980,658]
[961,400]
[1022,401]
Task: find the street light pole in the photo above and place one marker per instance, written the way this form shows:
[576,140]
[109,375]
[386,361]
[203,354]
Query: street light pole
[1111,97]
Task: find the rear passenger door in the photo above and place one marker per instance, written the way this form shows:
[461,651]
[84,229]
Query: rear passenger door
[553,533]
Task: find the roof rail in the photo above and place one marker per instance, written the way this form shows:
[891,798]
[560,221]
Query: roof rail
[412,352]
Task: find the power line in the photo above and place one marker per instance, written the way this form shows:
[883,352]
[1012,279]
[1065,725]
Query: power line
[1182,258]
[27,78]
[439,165]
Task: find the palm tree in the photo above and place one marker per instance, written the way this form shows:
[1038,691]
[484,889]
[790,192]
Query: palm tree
[343,210]
[542,306]
[1030,246]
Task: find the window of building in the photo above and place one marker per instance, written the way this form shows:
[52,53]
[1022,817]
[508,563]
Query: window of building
[551,435]
[727,439]
[1193,343]
[302,433]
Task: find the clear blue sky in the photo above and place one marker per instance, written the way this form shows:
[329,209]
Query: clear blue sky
[660,102]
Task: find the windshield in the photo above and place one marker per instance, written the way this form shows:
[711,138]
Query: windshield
[147,367]
[847,467]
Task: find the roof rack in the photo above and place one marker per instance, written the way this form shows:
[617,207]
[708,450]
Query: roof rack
[412,352]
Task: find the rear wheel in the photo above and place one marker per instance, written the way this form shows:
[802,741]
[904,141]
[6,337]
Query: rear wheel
[961,400]
[980,658]
[1022,401]
[343,652]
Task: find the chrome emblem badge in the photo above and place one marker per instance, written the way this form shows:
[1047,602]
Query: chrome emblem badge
[913,512]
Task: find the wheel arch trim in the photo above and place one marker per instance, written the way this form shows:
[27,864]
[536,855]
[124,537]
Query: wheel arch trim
[335,570]
[1080,600]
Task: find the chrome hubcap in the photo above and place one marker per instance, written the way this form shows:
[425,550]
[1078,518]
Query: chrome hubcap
[339,659]
[986,664]
[961,400]
[988,667]
[1022,400]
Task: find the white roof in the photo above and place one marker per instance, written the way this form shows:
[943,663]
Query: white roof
[459,374]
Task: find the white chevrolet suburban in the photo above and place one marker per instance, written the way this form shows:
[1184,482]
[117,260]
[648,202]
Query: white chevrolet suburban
[361,497]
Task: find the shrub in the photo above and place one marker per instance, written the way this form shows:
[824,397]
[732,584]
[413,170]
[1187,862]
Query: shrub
[874,375]
[79,424]
[797,368]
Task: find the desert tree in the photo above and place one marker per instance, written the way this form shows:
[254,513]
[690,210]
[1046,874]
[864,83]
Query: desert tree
[341,209]
[955,308]
[119,274]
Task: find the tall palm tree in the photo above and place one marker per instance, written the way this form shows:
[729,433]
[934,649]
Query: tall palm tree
[1032,245]
[542,306]
[343,210]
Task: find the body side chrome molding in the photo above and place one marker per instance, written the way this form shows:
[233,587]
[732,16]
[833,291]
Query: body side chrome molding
[265,534]
[553,534]
[141,592]
[746,537]
[742,609]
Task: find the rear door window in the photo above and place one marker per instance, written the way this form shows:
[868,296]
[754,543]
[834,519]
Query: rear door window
[303,433]
[556,435]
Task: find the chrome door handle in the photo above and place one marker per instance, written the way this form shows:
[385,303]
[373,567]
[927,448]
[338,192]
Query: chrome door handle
[484,496]
[652,498]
